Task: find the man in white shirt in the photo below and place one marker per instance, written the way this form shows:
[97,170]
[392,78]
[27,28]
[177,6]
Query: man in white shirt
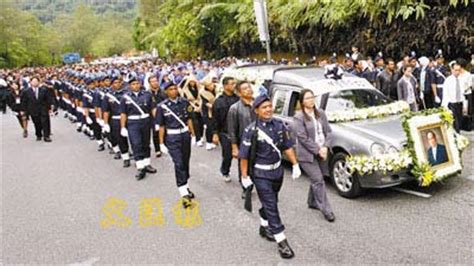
[453,95]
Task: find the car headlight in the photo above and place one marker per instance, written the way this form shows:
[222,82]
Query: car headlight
[377,149]
[392,149]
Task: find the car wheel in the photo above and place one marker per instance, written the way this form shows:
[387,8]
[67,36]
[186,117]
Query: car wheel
[346,184]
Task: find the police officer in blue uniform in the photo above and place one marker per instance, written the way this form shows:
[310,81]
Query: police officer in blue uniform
[111,116]
[136,108]
[440,72]
[176,133]
[271,140]
[89,101]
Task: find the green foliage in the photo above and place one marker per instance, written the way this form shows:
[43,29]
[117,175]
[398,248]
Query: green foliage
[220,28]
[24,40]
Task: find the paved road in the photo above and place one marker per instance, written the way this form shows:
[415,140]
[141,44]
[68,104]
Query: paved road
[53,195]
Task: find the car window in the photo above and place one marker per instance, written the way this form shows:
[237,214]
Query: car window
[279,97]
[355,98]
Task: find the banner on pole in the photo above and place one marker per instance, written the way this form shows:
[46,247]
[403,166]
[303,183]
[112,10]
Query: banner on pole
[260,7]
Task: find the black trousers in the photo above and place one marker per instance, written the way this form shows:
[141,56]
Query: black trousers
[429,100]
[116,138]
[95,127]
[179,147]
[42,125]
[198,125]
[456,109]
[139,136]
[267,191]
[155,135]
[226,153]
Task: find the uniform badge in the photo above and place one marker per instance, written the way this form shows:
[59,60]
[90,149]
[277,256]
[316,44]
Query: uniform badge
[190,109]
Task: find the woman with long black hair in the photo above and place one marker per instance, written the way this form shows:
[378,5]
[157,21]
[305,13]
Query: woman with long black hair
[15,104]
[314,137]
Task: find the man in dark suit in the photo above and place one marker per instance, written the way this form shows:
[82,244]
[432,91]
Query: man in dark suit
[37,102]
[436,152]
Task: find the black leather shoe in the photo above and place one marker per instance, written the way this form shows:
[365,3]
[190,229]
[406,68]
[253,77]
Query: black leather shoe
[158,154]
[187,201]
[126,164]
[101,147]
[25,133]
[150,169]
[191,194]
[79,129]
[266,234]
[285,250]
[47,139]
[117,156]
[329,217]
[38,138]
[140,174]
[111,151]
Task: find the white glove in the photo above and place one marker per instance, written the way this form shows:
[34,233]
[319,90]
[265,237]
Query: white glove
[437,99]
[193,141]
[163,149]
[157,127]
[296,173]
[246,182]
[88,120]
[100,122]
[124,132]
[106,128]
[422,95]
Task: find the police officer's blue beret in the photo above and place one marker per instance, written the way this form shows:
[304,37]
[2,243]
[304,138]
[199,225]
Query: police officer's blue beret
[132,79]
[259,100]
[168,84]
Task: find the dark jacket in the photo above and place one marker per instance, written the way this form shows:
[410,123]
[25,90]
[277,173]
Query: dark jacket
[220,110]
[306,147]
[441,155]
[34,106]
[239,117]
[387,83]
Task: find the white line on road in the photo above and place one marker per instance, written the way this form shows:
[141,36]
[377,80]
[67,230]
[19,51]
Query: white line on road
[412,192]
[89,261]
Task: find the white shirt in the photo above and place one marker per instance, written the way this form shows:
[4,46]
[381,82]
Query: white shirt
[411,90]
[433,150]
[319,137]
[449,91]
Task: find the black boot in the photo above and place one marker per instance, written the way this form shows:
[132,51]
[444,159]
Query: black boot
[117,156]
[187,201]
[150,169]
[285,250]
[126,163]
[191,194]
[266,234]
[101,147]
[140,174]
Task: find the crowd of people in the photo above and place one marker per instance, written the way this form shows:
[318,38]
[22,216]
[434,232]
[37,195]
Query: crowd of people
[180,105]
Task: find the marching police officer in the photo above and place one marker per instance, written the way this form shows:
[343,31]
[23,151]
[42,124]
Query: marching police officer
[176,133]
[270,137]
[441,72]
[88,105]
[111,116]
[136,108]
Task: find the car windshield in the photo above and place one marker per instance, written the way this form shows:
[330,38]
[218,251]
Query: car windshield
[355,98]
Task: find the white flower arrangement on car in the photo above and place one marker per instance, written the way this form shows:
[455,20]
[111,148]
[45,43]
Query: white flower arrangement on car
[385,163]
[368,113]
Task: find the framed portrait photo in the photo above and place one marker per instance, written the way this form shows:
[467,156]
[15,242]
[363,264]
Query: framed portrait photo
[434,143]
